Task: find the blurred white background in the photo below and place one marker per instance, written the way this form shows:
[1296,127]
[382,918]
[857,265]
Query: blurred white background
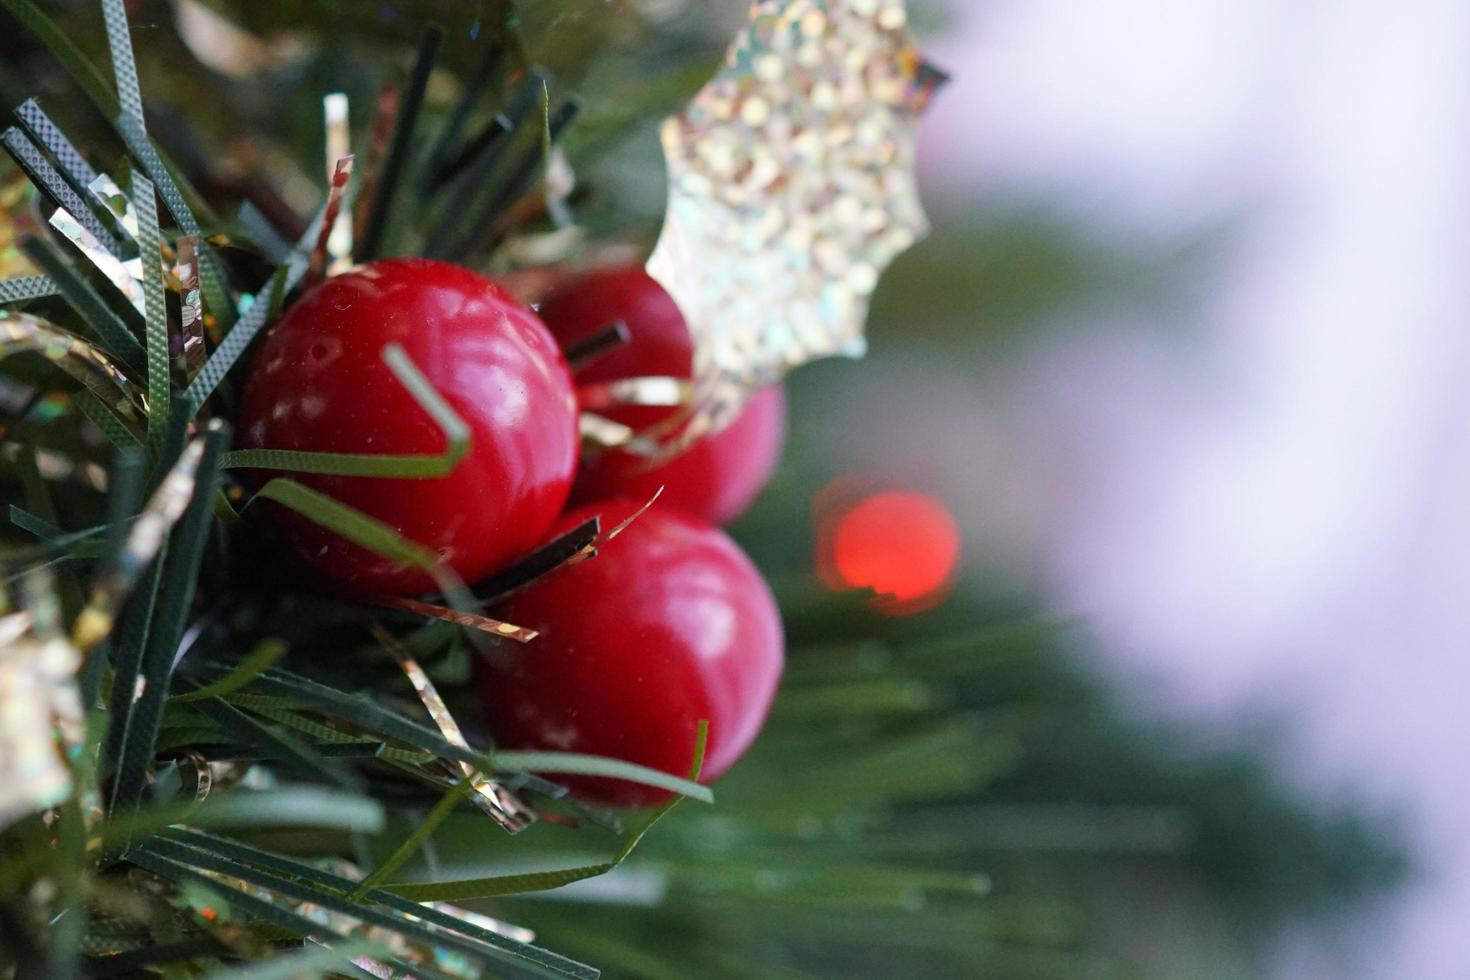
[1267,510]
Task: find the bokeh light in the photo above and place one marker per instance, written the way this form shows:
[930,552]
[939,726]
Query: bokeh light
[903,545]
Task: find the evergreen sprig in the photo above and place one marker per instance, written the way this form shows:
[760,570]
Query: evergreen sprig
[259,793]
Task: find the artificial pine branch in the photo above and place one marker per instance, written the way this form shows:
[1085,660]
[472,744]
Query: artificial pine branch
[950,796]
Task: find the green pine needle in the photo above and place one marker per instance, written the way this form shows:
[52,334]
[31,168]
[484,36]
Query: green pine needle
[570,763]
[349,522]
[456,795]
[113,428]
[155,308]
[259,660]
[536,881]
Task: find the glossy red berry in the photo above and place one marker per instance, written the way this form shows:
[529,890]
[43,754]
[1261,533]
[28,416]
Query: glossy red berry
[319,384]
[718,477]
[668,625]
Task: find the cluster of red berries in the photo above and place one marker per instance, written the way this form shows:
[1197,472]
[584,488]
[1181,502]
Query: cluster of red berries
[671,623]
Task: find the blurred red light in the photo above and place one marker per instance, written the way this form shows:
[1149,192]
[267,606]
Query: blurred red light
[902,545]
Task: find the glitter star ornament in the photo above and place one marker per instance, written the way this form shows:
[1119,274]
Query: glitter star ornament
[791,189]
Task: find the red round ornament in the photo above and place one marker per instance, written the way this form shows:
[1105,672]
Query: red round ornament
[319,384]
[719,476]
[668,625]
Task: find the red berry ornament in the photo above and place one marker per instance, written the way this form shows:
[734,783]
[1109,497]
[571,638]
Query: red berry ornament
[718,477]
[319,384]
[669,624]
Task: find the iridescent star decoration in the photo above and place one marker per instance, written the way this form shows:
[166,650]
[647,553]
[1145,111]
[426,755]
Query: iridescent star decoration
[791,189]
